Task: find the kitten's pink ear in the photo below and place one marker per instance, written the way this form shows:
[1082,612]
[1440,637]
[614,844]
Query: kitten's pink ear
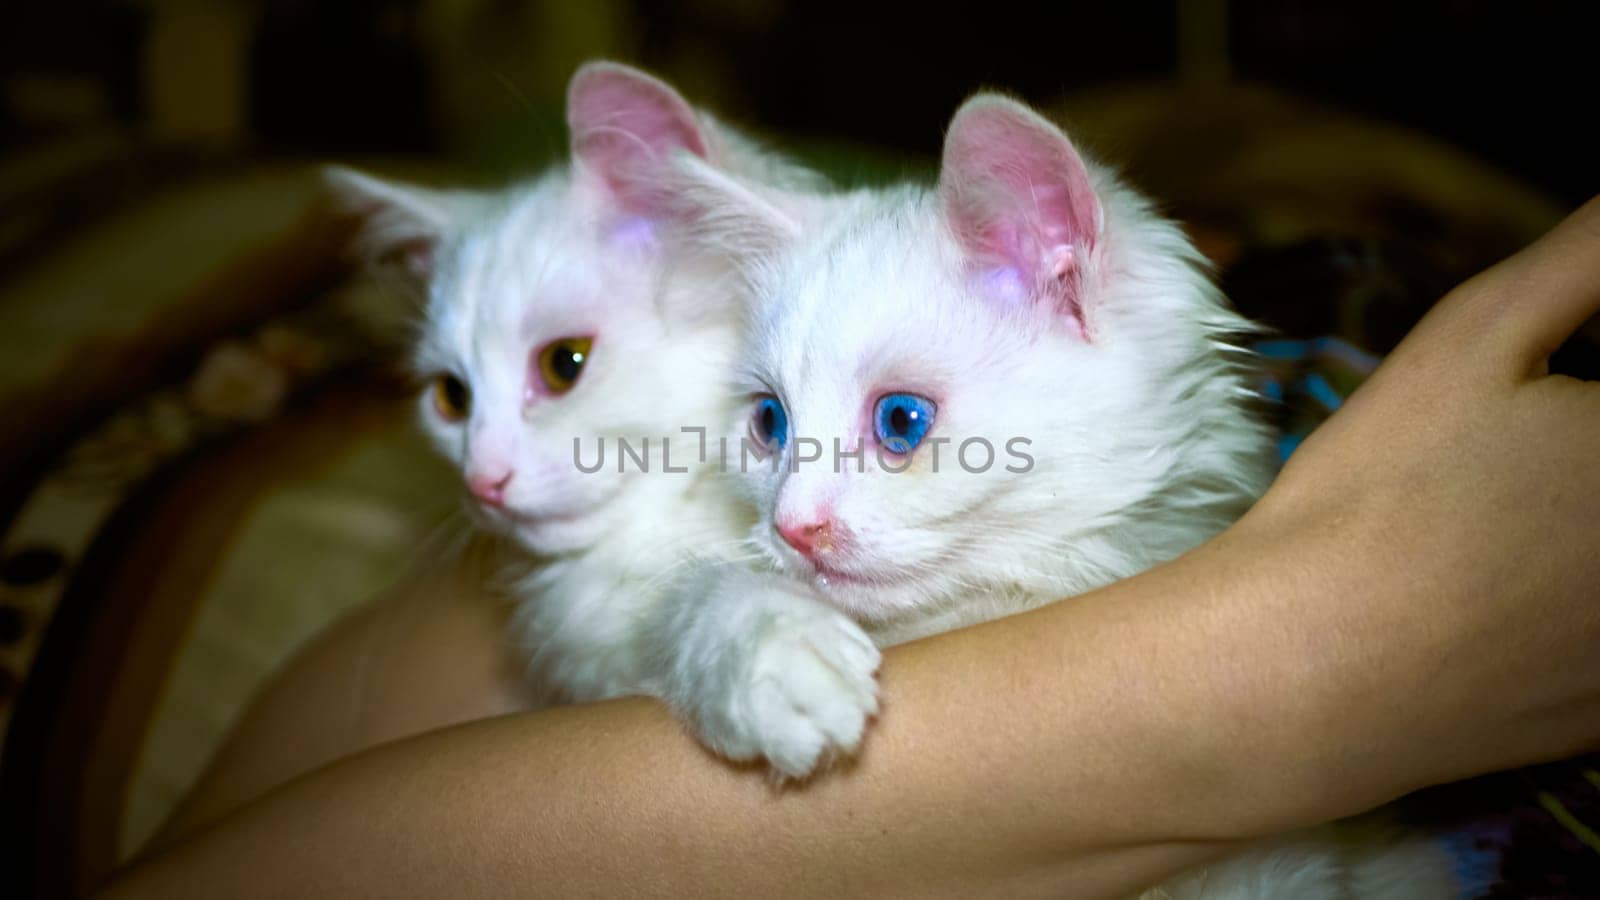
[400,224]
[625,127]
[1017,197]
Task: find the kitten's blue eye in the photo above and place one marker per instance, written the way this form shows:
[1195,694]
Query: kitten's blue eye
[771,423]
[901,421]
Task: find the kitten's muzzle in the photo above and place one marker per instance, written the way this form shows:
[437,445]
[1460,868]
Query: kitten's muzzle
[809,539]
[490,489]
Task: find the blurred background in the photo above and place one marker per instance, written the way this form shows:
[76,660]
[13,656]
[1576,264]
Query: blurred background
[208,453]
[482,80]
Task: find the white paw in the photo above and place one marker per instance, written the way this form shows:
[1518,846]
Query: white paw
[807,690]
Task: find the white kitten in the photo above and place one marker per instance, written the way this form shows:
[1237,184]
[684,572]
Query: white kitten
[1038,378]
[1044,393]
[564,317]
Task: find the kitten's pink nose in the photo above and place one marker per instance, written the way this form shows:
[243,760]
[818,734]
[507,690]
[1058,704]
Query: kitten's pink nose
[489,488]
[809,538]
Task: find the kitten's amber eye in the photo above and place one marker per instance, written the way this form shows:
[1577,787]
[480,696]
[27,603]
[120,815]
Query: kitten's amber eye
[451,399]
[561,361]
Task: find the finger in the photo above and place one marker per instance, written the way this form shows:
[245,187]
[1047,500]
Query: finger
[1535,300]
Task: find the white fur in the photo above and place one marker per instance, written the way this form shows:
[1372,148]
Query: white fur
[563,256]
[1142,444]
[796,685]
[1133,396]
[1143,449]
[1350,861]
[546,268]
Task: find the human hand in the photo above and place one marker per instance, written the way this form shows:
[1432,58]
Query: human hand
[1455,504]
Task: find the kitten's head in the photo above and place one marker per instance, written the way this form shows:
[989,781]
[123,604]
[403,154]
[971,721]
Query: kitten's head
[548,319]
[1031,361]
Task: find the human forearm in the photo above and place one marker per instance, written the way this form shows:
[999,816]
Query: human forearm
[1412,601]
[1080,765]
[1136,731]
[428,655]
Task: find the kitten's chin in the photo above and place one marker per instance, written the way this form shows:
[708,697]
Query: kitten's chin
[546,534]
[866,596]
[893,612]
[863,591]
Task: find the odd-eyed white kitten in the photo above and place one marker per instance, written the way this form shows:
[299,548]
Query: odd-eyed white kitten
[1046,398]
[567,315]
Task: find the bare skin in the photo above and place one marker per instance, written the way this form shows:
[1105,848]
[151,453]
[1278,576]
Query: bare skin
[1412,602]
[432,654]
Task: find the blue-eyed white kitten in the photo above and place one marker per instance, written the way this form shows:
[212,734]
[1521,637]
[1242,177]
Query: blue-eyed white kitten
[1046,397]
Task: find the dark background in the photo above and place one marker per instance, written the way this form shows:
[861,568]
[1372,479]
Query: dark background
[1511,82]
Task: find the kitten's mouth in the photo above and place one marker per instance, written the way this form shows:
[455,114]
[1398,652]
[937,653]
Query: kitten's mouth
[825,572]
[545,519]
[827,576]
[524,520]
[553,533]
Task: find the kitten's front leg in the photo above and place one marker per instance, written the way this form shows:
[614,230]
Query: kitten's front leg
[762,667]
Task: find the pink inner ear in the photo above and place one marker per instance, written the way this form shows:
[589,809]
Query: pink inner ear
[392,235]
[1017,196]
[625,127]
[415,257]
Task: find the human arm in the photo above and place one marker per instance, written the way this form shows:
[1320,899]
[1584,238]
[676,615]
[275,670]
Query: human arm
[1412,602]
